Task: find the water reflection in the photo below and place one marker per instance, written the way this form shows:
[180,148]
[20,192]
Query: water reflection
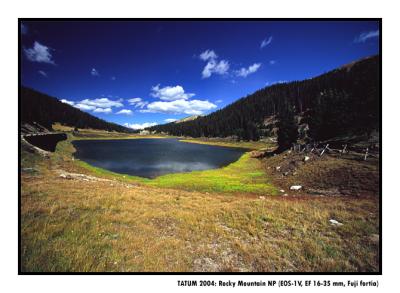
[153,157]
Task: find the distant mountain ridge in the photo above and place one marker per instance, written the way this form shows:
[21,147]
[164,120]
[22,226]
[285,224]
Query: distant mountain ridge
[351,91]
[190,118]
[39,108]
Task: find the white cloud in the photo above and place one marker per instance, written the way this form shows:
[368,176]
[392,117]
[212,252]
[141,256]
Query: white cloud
[125,112]
[266,42]
[272,62]
[169,120]
[141,105]
[170,93]
[216,67]
[103,110]
[133,101]
[194,107]
[102,103]
[363,37]
[213,65]
[218,101]
[207,71]
[39,53]
[222,67]
[68,102]
[113,78]
[244,72]
[275,82]
[208,54]
[84,107]
[137,102]
[137,126]
[94,72]
[41,72]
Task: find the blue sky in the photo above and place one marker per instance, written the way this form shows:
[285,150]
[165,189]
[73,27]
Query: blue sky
[138,73]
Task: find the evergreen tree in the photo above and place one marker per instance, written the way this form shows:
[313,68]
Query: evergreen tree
[45,110]
[287,132]
[331,115]
[349,104]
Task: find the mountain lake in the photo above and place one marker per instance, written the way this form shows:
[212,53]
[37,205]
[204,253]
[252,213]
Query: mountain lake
[150,158]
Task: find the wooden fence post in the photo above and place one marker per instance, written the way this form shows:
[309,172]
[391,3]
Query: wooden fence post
[366,154]
[344,149]
[324,149]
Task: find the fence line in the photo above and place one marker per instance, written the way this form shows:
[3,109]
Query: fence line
[321,149]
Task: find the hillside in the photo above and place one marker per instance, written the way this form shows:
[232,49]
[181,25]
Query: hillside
[343,101]
[39,108]
[190,118]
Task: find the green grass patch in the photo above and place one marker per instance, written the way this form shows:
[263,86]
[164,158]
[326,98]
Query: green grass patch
[85,226]
[244,175]
[111,175]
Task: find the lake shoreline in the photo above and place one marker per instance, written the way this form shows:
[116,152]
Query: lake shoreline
[151,158]
[102,221]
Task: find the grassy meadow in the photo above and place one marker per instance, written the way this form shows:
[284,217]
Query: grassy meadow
[229,219]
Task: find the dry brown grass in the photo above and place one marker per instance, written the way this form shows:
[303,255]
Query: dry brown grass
[78,225]
[336,175]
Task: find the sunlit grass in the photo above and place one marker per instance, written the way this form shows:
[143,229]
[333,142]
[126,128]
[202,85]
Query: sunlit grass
[70,225]
[88,134]
[250,145]
[244,175]
[198,223]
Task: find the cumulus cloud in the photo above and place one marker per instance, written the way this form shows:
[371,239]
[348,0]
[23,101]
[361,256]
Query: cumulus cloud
[41,72]
[170,93]
[68,102]
[39,53]
[84,107]
[103,110]
[266,42]
[193,107]
[133,101]
[125,112]
[169,120]
[208,54]
[102,103]
[216,67]
[94,72]
[213,65]
[244,72]
[137,102]
[137,126]
[363,37]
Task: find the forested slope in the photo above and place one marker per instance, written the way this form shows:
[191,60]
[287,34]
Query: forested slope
[45,110]
[345,100]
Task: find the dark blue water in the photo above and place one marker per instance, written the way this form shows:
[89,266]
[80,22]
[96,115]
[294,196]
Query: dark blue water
[153,157]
